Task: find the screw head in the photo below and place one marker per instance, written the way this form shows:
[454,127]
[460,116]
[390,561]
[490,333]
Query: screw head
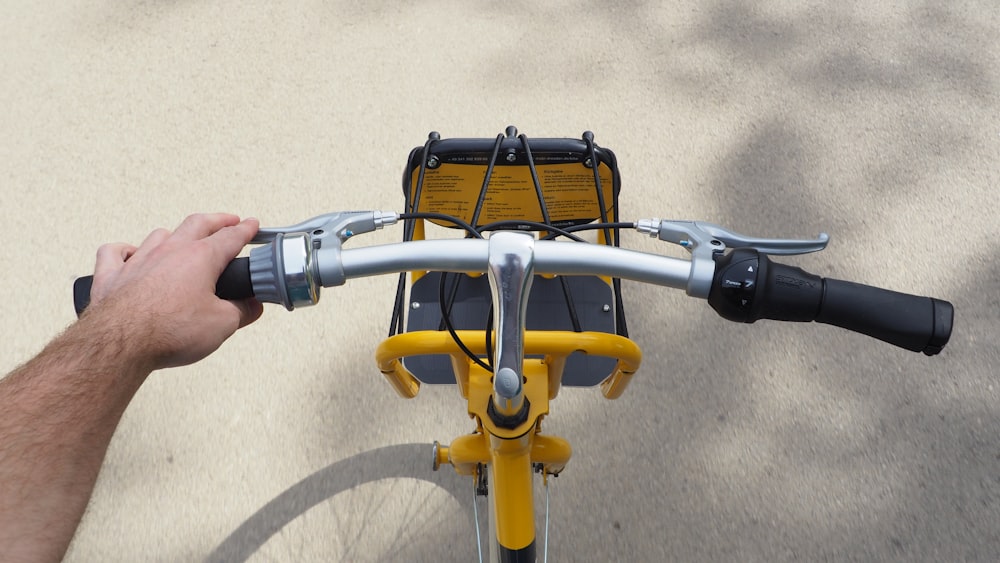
[606,308]
[507,382]
[433,161]
[415,305]
[511,157]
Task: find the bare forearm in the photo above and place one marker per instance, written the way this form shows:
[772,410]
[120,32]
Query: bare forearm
[59,413]
[152,307]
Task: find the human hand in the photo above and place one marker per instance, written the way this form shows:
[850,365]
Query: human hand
[160,297]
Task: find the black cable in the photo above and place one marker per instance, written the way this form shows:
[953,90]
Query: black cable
[443,217]
[486,180]
[588,137]
[396,323]
[425,155]
[534,179]
[498,225]
[445,316]
[444,303]
[621,325]
[616,283]
[489,337]
[571,305]
[589,227]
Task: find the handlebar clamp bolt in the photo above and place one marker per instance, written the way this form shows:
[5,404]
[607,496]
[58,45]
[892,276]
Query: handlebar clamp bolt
[508,383]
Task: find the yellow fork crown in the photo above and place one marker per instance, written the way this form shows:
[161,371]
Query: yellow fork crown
[466,452]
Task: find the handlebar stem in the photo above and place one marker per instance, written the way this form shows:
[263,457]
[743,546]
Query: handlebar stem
[511,268]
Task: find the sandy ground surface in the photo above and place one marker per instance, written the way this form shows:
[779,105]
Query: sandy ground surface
[878,123]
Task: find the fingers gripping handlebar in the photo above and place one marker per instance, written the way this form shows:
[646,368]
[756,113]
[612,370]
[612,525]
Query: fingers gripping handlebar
[282,270]
[234,283]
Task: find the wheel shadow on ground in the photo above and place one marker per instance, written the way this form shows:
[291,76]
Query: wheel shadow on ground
[404,461]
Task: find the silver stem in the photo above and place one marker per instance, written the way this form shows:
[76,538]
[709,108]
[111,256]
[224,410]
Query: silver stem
[511,268]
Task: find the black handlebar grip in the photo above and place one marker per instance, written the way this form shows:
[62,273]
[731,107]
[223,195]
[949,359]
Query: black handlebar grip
[919,324]
[748,286]
[81,293]
[233,284]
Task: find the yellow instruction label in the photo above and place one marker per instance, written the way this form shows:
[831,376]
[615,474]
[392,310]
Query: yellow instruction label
[567,188]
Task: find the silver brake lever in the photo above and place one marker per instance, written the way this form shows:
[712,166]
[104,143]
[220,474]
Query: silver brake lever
[340,224]
[692,234]
[705,240]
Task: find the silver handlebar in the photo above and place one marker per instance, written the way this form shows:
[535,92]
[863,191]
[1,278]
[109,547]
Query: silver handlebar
[472,255]
[318,243]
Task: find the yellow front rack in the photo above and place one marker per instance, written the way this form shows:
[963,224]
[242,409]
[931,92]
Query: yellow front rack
[554,346]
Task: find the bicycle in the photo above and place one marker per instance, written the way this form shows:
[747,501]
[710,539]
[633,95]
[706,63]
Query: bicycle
[512,317]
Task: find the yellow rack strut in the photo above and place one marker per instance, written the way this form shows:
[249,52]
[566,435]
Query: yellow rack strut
[554,345]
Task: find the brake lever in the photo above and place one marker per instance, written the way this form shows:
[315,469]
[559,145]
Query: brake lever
[706,240]
[695,234]
[340,224]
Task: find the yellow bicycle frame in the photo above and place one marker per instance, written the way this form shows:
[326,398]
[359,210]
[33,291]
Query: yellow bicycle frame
[511,454]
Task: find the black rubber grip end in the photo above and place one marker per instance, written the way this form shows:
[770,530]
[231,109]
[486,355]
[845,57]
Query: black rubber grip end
[918,324]
[81,293]
[234,283]
[944,315]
